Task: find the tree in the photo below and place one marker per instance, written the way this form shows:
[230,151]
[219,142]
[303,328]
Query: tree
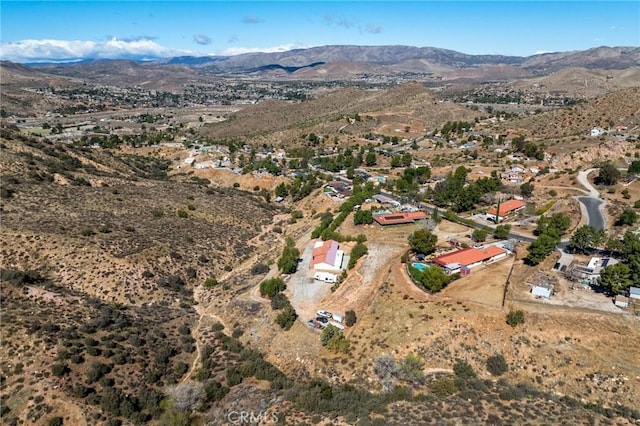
[526,189]
[616,278]
[435,279]
[634,167]
[541,248]
[497,365]
[370,159]
[479,235]
[628,217]
[586,238]
[363,217]
[608,174]
[556,224]
[502,232]
[515,317]
[350,318]
[282,190]
[463,370]
[287,317]
[333,339]
[288,262]
[423,241]
[271,287]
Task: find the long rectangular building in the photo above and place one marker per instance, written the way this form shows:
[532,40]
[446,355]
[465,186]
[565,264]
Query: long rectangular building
[468,258]
[399,218]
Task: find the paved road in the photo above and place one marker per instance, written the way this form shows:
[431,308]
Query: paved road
[595,217]
[592,205]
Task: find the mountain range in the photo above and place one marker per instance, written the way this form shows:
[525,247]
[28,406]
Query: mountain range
[320,62]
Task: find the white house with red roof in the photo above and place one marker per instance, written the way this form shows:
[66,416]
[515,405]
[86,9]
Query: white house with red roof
[469,257]
[327,256]
[506,208]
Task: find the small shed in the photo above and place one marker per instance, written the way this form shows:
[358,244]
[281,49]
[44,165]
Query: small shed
[621,301]
[542,290]
[634,292]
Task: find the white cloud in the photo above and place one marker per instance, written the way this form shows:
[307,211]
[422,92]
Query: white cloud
[70,50]
[232,51]
[202,39]
[542,52]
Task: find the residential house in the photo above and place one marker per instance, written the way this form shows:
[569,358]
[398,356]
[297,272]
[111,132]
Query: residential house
[468,258]
[399,218]
[590,272]
[327,256]
[383,199]
[506,208]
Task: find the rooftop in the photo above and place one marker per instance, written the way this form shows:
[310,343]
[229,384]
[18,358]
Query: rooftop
[325,252]
[399,218]
[507,207]
[468,256]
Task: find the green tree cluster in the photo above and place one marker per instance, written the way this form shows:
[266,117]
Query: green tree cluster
[549,230]
[363,217]
[272,287]
[423,241]
[586,238]
[616,279]
[359,250]
[288,262]
[515,318]
[333,338]
[501,232]
[628,217]
[456,193]
[608,174]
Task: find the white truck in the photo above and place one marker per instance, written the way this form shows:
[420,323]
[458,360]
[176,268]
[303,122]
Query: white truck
[337,317]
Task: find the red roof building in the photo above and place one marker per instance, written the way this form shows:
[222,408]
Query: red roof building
[506,208]
[468,257]
[327,256]
[399,218]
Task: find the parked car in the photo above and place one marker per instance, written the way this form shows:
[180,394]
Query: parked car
[325,314]
[314,324]
[323,320]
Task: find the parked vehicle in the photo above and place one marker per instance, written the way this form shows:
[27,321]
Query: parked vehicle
[337,317]
[323,320]
[336,324]
[314,324]
[323,313]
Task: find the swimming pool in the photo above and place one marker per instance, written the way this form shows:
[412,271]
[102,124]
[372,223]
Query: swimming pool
[419,266]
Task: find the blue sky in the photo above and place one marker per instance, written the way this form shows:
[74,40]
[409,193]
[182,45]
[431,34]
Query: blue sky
[54,30]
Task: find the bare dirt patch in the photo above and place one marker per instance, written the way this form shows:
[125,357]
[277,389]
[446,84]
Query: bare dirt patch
[485,284]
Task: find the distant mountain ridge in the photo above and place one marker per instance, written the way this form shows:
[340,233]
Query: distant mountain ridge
[396,58]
